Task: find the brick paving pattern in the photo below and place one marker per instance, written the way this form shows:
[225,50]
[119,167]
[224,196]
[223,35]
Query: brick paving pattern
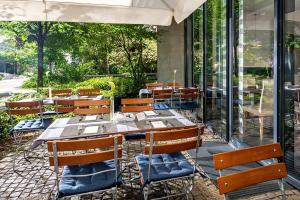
[36,181]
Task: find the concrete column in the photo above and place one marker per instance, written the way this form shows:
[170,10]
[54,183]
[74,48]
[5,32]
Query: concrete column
[170,51]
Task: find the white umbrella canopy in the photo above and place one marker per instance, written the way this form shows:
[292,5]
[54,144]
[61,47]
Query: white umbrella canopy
[153,12]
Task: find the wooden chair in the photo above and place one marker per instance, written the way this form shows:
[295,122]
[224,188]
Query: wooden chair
[152,86]
[62,106]
[34,125]
[188,98]
[88,92]
[136,105]
[93,164]
[61,92]
[234,181]
[163,149]
[92,107]
[162,99]
[171,85]
[265,108]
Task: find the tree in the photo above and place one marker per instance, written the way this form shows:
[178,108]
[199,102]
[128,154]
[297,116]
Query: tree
[30,32]
[132,39]
[38,32]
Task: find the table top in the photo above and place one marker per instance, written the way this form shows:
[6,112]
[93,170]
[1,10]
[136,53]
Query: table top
[73,97]
[97,126]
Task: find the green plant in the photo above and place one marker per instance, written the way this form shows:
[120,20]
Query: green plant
[4,124]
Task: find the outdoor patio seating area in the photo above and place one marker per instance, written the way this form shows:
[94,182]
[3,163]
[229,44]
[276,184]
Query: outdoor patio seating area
[83,154]
[35,180]
[149,99]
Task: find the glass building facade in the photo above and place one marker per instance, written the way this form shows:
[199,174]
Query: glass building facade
[246,60]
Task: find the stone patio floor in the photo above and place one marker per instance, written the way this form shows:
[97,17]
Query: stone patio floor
[36,181]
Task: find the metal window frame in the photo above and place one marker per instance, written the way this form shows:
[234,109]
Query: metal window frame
[204,85]
[229,67]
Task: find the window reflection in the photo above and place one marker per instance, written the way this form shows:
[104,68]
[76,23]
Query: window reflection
[216,65]
[253,72]
[198,55]
[292,87]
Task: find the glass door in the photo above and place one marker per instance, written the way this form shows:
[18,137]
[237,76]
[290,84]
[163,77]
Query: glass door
[292,88]
[215,74]
[253,72]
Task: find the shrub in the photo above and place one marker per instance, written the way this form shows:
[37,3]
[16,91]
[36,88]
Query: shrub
[125,86]
[4,124]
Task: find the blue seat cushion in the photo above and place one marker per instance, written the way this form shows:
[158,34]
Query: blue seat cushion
[33,124]
[188,105]
[78,185]
[135,136]
[162,106]
[165,169]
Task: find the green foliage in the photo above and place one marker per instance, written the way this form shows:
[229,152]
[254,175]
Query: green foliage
[72,50]
[125,86]
[4,124]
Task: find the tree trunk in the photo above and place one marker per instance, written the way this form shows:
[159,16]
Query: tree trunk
[40,62]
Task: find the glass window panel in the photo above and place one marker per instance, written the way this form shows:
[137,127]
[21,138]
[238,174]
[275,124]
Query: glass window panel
[216,65]
[253,72]
[198,55]
[292,87]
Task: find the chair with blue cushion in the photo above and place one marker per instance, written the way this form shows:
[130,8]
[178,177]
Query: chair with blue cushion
[89,92]
[89,165]
[60,93]
[63,106]
[162,99]
[136,105]
[163,160]
[174,85]
[27,125]
[153,86]
[188,98]
[92,107]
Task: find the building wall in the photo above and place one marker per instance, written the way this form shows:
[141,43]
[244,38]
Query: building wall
[170,50]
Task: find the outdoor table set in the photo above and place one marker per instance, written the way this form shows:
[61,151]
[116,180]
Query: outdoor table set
[172,97]
[86,150]
[105,131]
[101,125]
[95,138]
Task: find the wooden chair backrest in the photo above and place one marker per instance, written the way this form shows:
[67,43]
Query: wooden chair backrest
[91,107]
[61,92]
[173,146]
[136,105]
[88,92]
[151,86]
[266,98]
[238,180]
[64,105]
[171,84]
[24,108]
[162,94]
[86,144]
[189,92]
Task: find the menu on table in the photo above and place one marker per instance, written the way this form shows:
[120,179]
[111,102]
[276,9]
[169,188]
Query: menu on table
[91,130]
[150,113]
[90,118]
[158,124]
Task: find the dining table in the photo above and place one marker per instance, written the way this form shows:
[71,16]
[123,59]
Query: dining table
[50,101]
[105,125]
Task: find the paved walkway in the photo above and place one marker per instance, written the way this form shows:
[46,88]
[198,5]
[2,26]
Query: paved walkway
[37,181]
[13,85]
